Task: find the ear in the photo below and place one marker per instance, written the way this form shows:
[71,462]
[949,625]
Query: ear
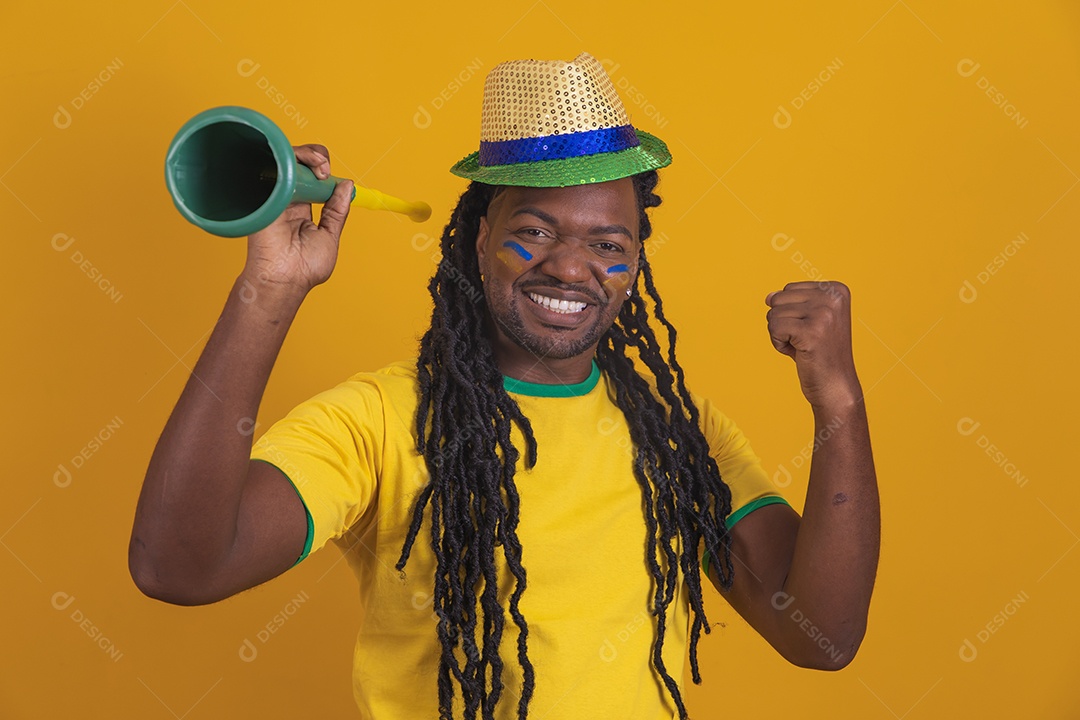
[481,240]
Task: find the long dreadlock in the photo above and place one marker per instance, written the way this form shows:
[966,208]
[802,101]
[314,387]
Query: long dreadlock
[471,465]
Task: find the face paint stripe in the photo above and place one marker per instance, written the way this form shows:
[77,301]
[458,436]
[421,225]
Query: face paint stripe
[618,269]
[518,249]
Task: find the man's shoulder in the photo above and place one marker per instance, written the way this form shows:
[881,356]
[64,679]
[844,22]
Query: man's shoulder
[711,419]
[654,387]
[394,383]
[396,372]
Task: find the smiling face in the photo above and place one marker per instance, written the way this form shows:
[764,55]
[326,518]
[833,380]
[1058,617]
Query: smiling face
[557,263]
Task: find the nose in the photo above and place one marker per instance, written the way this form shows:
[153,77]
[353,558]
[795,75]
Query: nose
[567,262]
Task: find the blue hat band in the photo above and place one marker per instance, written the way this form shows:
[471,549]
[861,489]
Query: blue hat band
[557,147]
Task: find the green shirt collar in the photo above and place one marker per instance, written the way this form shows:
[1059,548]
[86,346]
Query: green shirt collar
[584,387]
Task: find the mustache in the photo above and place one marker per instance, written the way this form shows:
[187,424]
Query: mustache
[580,289]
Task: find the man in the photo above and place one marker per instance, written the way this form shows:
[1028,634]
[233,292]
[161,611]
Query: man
[531,504]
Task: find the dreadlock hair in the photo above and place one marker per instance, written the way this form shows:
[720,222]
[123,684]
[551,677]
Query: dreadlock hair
[463,423]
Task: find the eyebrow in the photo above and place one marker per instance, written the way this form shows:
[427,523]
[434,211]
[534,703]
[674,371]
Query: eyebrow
[595,230]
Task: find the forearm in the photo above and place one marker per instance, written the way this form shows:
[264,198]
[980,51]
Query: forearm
[826,596]
[185,521]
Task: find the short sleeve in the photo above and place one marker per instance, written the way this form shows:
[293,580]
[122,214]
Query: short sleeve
[739,466]
[330,448]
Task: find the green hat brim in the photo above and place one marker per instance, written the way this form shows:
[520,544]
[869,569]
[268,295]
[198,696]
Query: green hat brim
[651,154]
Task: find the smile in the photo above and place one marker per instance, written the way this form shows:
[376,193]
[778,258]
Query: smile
[563,307]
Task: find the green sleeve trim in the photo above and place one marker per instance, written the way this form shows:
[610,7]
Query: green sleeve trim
[739,515]
[310,531]
[751,507]
[310,523]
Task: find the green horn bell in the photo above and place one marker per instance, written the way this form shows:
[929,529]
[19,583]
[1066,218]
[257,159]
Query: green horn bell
[231,171]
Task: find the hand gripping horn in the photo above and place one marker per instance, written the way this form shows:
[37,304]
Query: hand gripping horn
[232,172]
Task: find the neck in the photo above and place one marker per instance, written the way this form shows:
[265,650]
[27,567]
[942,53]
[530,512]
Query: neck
[520,364]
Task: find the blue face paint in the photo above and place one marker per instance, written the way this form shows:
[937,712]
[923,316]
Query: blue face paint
[525,254]
[618,269]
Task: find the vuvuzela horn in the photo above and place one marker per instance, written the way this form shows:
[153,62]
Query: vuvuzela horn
[231,171]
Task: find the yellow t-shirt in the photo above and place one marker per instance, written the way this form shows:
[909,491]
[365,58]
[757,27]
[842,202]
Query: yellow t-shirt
[350,452]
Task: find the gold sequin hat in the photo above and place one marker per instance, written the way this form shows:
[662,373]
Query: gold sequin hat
[551,123]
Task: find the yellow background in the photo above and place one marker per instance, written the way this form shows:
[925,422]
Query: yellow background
[899,176]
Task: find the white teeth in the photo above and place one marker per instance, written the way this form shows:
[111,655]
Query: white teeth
[564,307]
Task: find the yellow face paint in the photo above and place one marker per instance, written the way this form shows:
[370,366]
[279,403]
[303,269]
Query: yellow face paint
[620,277]
[514,256]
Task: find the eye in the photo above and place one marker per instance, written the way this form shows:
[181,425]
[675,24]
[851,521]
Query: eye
[609,247]
[533,233]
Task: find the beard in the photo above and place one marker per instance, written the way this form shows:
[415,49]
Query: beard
[558,343]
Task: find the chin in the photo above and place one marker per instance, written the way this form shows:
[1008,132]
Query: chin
[550,343]
[544,341]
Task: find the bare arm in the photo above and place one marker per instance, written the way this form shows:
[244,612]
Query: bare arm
[805,585]
[209,522]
